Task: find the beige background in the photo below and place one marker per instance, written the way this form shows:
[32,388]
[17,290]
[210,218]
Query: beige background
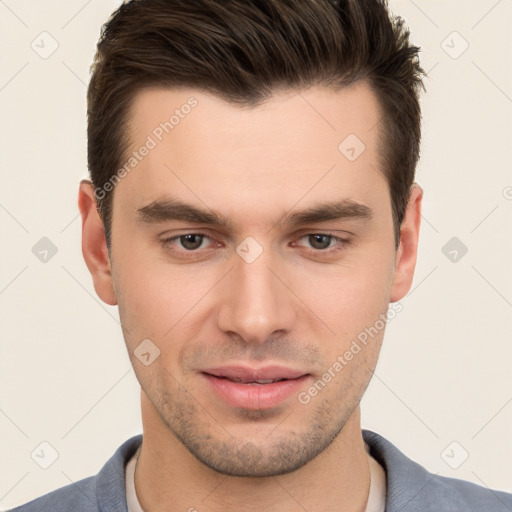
[444,373]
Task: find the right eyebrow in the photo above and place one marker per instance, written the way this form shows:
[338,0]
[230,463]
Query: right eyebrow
[172,209]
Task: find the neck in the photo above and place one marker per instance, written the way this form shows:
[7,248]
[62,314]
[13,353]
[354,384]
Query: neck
[169,478]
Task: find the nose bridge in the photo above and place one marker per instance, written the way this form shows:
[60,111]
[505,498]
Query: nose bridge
[254,302]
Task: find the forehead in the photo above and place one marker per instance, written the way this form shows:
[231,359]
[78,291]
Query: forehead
[306,146]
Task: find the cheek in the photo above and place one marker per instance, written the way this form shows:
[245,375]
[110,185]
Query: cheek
[149,307]
[155,297]
[142,295]
[351,295]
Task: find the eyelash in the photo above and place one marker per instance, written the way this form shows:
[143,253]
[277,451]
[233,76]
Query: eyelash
[343,242]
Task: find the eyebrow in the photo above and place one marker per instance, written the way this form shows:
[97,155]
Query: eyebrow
[170,209]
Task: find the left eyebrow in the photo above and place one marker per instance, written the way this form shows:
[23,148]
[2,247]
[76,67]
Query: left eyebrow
[344,209]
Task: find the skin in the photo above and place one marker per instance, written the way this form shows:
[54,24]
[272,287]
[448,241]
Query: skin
[294,305]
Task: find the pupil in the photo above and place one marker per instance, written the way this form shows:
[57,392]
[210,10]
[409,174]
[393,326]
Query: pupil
[191,241]
[323,240]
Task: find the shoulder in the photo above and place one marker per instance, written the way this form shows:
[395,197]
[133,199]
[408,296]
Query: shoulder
[103,492]
[80,496]
[411,487]
[466,495]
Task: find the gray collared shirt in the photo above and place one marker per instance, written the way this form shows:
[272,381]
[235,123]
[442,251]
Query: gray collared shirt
[410,487]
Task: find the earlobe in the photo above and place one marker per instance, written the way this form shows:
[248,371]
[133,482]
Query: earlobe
[407,252]
[94,244]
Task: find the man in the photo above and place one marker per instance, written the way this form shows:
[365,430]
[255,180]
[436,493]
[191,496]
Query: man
[252,211]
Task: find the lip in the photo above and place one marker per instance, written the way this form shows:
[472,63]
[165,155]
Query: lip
[247,373]
[254,396]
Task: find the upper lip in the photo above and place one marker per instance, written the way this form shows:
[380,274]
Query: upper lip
[248,374]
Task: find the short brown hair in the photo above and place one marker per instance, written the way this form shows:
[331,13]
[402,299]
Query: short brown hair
[243,51]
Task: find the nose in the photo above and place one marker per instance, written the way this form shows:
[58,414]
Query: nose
[255,302]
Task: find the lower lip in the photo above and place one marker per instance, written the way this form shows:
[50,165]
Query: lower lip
[255,396]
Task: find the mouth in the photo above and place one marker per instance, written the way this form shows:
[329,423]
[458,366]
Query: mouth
[260,381]
[241,373]
[254,388]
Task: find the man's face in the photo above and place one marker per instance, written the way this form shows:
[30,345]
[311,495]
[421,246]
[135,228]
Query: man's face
[262,290]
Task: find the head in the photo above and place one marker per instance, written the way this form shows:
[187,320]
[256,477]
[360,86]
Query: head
[271,217]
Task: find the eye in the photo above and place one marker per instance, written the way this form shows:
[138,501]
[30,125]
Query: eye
[189,241]
[193,242]
[322,241]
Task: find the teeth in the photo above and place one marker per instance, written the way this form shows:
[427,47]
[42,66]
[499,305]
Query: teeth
[268,381]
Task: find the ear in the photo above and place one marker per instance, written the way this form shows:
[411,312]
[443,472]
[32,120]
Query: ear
[405,260]
[94,244]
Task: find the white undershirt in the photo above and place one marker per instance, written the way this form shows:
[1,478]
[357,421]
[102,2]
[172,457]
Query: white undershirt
[376,497]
